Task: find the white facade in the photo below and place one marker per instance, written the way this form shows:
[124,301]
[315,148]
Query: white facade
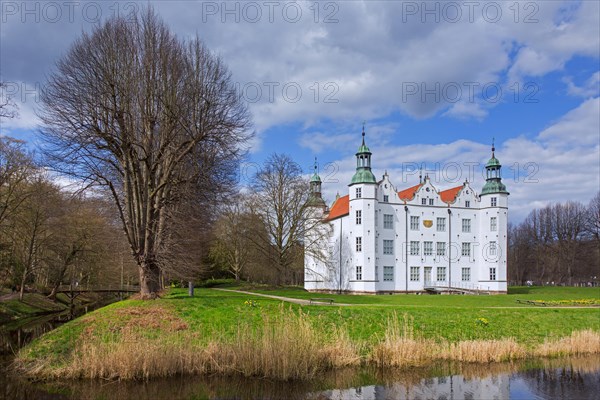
[381,240]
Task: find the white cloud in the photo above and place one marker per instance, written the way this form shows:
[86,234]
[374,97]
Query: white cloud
[580,126]
[373,51]
[590,88]
[465,110]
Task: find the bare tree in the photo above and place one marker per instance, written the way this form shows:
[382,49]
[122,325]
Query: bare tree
[8,108]
[281,198]
[555,244]
[592,223]
[233,246]
[568,226]
[129,107]
[80,233]
[30,230]
[16,167]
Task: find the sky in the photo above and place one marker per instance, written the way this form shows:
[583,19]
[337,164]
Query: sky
[433,82]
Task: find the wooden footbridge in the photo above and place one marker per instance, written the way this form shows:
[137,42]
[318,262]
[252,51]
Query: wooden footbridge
[100,289]
[74,291]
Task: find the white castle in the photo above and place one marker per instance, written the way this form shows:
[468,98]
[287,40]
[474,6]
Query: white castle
[377,239]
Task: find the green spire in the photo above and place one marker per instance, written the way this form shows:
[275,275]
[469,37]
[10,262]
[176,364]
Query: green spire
[315,198]
[363,164]
[493,182]
[316,177]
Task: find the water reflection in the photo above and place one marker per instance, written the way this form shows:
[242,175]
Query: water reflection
[13,337]
[574,378]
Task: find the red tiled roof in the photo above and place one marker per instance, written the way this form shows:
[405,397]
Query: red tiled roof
[340,208]
[409,194]
[449,195]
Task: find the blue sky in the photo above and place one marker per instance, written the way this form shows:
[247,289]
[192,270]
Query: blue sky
[414,71]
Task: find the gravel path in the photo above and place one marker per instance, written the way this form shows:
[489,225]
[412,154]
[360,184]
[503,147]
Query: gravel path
[288,299]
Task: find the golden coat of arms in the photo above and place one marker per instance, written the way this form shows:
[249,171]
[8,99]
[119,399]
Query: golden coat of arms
[428,223]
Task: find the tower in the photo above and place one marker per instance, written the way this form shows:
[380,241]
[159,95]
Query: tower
[493,227]
[316,199]
[362,229]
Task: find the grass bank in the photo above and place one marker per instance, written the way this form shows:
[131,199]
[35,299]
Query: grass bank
[230,333]
[33,304]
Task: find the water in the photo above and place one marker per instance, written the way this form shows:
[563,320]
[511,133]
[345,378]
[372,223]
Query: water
[571,378]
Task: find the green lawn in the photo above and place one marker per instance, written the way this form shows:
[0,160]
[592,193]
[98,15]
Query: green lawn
[214,314]
[449,317]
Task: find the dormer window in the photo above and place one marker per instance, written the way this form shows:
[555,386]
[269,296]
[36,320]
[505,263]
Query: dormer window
[386,198]
[430,202]
[424,202]
[467,204]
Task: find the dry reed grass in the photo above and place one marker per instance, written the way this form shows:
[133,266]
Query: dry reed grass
[484,351]
[399,348]
[579,343]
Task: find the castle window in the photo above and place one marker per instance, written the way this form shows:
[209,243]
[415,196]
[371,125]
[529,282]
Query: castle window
[424,202]
[492,274]
[466,274]
[388,221]
[441,224]
[414,274]
[388,273]
[358,273]
[467,204]
[414,223]
[430,202]
[427,248]
[493,224]
[493,249]
[358,217]
[466,225]
[466,249]
[377,272]
[494,201]
[441,248]
[388,246]
[414,248]
[441,273]
[359,243]
[386,198]
[358,193]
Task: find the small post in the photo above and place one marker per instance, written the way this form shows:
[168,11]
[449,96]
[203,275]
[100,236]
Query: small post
[191,289]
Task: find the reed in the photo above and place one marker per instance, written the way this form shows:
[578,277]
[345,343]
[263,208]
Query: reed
[399,347]
[578,343]
[484,351]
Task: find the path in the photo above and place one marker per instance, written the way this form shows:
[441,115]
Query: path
[320,303]
[288,299]
[9,296]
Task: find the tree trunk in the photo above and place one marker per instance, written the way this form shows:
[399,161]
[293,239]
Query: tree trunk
[22,289]
[149,278]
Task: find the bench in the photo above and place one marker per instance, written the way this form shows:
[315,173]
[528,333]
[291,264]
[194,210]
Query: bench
[330,301]
[531,302]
